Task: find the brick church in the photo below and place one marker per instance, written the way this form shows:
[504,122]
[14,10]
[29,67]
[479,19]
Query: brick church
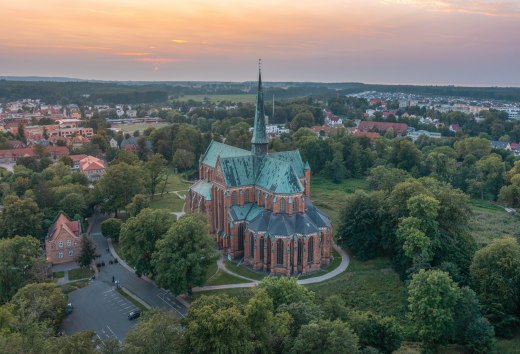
[258,205]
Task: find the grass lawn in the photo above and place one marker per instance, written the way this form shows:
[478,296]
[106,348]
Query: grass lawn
[59,274]
[366,286]
[238,98]
[244,271]
[70,287]
[222,278]
[175,183]
[509,346]
[330,197]
[168,201]
[80,273]
[335,264]
[131,299]
[487,226]
[130,128]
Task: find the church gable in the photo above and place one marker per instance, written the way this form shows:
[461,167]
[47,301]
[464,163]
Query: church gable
[218,150]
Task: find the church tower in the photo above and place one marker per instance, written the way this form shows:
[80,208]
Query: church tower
[259,140]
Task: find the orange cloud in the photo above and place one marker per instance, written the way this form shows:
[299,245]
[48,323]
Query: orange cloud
[132,54]
[157,60]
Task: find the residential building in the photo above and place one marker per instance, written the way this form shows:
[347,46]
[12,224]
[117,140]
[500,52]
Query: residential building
[63,240]
[92,167]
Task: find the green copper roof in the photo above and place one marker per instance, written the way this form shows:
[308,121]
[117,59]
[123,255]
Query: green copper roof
[259,140]
[293,157]
[307,166]
[278,177]
[238,171]
[216,149]
[202,188]
[246,212]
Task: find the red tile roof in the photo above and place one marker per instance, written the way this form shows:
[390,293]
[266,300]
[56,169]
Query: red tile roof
[383,126]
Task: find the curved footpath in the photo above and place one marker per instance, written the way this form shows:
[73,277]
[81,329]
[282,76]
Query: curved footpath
[345,260]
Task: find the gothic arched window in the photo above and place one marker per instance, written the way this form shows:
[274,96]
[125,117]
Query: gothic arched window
[310,256]
[241,237]
[279,252]
[246,196]
[282,206]
[295,205]
[252,245]
[234,198]
[262,249]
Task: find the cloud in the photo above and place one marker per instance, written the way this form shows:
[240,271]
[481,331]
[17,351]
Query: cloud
[490,8]
[156,60]
[179,41]
[132,54]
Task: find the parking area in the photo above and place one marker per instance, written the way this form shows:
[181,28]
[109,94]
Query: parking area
[99,307]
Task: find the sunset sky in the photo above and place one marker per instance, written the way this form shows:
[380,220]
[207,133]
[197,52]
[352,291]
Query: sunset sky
[469,42]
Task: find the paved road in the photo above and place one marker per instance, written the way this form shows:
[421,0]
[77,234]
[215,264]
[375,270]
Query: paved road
[145,290]
[98,307]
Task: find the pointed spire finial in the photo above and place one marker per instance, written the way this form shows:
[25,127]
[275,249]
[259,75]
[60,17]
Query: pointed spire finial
[259,74]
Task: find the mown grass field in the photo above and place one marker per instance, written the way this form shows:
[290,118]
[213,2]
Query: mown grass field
[330,197]
[130,128]
[169,201]
[238,98]
[80,273]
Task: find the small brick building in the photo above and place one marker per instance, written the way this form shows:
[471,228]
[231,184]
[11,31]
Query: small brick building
[258,205]
[63,241]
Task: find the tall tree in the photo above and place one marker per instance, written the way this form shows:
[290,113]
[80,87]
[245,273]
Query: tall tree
[432,301]
[20,217]
[157,332]
[139,235]
[18,257]
[155,173]
[111,228]
[182,257]
[216,324]
[87,252]
[327,337]
[118,185]
[495,276]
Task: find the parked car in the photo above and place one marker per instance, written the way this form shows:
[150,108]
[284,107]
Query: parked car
[68,308]
[134,314]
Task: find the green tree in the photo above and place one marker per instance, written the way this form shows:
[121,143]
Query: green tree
[87,252]
[20,217]
[46,301]
[360,228]
[118,185]
[474,146]
[495,276]
[384,178]
[489,176]
[77,343]
[183,256]
[73,204]
[155,173]
[432,300]
[269,331]
[139,202]
[327,337]
[18,257]
[157,332]
[381,333]
[183,159]
[111,228]
[139,236]
[216,324]
[303,119]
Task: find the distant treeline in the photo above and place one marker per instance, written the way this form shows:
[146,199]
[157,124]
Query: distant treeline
[84,92]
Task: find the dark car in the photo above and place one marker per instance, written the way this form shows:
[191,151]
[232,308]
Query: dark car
[134,314]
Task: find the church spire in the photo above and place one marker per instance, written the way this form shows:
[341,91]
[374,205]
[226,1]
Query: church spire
[259,140]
